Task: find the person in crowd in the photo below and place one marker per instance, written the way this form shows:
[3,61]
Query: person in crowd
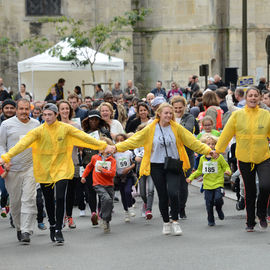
[143,115]
[117,91]
[52,145]
[78,91]
[218,81]
[239,96]
[213,181]
[97,128]
[131,90]
[194,87]
[20,182]
[74,102]
[208,127]
[187,120]
[266,98]
[106,112]
[52,96]
[4,94]
[211,84]
[211,106]
[65,115]
[59,88]
[103,167]
[175,91]
[221,97]
[132,111]
[99,93]
[160,139]
[37,114]
[156,102]
[124,177]
[8,110]
[23,94]
[251,127]
[159,90]
[262,84]
[88,101]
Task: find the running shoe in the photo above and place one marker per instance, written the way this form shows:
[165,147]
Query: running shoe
[42,226]
[263,223]
[148,215]
[4,213]
[25,238]
[11,221]
[94,219]
[106,226]
[220,214]
[59,239]
[71,223]
[132,213]
[82,213]
[52,233]
[127,216]
[211,224]
[176,229]
[182,213]
[249,229]
[19,236]
[166,228]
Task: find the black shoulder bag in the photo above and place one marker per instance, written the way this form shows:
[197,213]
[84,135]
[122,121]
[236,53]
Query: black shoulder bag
[171,164]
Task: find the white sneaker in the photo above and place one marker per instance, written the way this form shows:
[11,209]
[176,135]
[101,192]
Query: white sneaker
[166,228]
[143,210]
[132,213]
[106,226]
[127,216]
[176,229]
[82,213]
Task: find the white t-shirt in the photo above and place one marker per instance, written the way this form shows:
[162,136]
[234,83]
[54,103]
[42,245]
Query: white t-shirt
[158,149]
[116,127]
[123,160]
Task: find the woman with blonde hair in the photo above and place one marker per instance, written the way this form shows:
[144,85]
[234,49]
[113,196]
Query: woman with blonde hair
[165,159]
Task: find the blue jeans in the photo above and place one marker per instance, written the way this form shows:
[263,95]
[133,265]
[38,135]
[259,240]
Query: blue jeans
[213,197]
[126,192]
[4,193]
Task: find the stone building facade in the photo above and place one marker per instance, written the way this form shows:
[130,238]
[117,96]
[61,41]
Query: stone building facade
[170,44]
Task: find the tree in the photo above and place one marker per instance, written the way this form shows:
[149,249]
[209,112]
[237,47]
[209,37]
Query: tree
[104,38]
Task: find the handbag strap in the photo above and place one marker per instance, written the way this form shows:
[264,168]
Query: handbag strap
[163,139]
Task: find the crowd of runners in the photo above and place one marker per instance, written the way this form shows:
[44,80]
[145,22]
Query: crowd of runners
[74,151]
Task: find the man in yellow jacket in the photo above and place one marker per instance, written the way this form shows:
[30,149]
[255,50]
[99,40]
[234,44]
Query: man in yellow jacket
[52,144]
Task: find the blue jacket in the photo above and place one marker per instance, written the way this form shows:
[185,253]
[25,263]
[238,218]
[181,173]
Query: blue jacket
[80,113]
[160,92]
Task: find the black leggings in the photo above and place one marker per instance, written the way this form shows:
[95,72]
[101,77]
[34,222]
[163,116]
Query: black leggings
[70,198]
[249,178]
[55,211]
[167,185]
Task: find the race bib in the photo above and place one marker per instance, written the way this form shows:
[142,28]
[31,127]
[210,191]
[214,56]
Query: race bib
[105,165]
[81,170]
[209,167]
[122,163]
[95,134]
[77,120]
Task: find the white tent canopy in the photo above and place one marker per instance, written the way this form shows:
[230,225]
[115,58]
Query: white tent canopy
[46,66]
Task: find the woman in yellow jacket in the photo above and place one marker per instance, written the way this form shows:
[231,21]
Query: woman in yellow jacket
[152,137]
[251,127]
[52,144]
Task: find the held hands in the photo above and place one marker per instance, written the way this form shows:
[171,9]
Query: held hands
[188,180]
[228,173]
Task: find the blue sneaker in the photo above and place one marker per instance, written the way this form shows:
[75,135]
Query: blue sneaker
[42,226]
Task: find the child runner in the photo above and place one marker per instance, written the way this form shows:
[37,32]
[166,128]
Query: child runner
[208,127]
[213,181]
[3,174]
[124,175]
[104,169]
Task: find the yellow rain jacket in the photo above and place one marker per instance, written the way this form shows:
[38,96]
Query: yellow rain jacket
[251,127]
[145,137]
[52,147]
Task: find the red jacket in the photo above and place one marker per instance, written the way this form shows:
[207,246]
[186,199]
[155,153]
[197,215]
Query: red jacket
[105,176]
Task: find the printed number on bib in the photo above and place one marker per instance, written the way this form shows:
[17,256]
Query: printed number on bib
[104,164]
[122,163]
[210,167]
[95,135]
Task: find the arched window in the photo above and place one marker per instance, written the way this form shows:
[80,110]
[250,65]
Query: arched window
[43,7]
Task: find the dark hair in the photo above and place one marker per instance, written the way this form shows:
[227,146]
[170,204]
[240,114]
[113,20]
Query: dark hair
[87,97]
[37,108]
[70,109]
[61,80]
[210,99]
[101,125]
[71,96]
[121,135]
[267,93]
[222,93]
[23,85]
[194,77]
[143,104]
[78,88]
[159,81]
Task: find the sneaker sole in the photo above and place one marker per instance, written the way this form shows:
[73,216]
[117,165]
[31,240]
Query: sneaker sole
[60,243]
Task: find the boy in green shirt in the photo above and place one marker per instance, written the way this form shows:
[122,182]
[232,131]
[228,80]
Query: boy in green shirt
[213,181]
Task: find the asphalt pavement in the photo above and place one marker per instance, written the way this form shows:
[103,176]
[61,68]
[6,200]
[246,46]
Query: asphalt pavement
[141,245]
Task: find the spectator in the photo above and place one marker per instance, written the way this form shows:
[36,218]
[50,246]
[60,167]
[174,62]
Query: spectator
[99,93]
[3,91]
[175,91]
[218,82]
[88,101]
[221,97]
[53,95]
[262,84]
[131,90]
[239,96]
[9,110]
[266,99]
[211,84]
[58,88]
[74,102]
[23,93]
[117,92]
[159,91]
[78,91]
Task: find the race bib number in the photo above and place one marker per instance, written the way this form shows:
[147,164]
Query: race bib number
[104,164]
[210,167]
[95,135]
[122,163]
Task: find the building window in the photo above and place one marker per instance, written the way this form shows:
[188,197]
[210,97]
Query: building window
[43,7]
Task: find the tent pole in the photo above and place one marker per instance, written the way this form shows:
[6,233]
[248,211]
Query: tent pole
[19,80]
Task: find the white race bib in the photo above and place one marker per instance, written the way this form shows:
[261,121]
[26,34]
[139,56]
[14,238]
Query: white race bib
[122,163]
[77,120]
[104,164]
[210,167]
[95,135]
[81,170]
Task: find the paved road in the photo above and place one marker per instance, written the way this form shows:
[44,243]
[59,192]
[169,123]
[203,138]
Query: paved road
[140,244]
